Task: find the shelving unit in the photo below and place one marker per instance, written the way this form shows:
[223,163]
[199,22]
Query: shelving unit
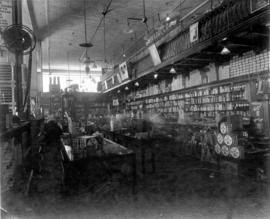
[97,108]
[224,97]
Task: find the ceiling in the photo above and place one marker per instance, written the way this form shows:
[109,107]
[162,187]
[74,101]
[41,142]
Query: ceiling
[60,26]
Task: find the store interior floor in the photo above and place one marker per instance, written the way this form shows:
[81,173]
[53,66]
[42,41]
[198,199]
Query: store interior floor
[182,187]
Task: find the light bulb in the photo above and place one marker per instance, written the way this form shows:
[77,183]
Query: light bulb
[225,51]
[172,70]
[155,76]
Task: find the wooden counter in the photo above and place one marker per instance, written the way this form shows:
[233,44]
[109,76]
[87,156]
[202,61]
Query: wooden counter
[111,152]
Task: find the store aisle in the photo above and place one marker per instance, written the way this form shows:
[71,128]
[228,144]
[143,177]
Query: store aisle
[182,187]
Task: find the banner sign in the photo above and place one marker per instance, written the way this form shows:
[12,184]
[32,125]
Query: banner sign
[123,71]
[194,32]
[154,54]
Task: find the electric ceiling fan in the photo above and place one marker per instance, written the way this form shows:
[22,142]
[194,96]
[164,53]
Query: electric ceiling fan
[143,19]
[104,13]
[21,40]
[84,57]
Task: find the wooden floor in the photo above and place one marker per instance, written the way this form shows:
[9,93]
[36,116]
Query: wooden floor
[182,187]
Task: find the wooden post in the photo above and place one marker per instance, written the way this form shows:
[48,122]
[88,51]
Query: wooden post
[17,19]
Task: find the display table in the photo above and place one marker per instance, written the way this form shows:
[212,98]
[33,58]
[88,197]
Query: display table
[111,152]
[140,140]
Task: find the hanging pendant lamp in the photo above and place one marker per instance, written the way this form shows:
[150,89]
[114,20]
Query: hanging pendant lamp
[85,44]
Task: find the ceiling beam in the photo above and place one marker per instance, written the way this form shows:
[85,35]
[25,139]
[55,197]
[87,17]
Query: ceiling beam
[240,41]
[260,30]
[198,59]
[32,15]
[186,64]
[65,71]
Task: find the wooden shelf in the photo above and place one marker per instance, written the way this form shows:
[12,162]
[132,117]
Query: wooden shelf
[235,80]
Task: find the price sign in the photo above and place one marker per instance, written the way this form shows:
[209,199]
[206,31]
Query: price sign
[194,32]
[5,13]
[5,20]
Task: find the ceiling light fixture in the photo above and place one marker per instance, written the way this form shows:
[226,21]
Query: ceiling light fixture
[155,76]
[143,19]
[137,84]
[119,91]
[129,30]
[85,44]
[172,70]
[94,65]
[168,18]
[225,51]
[123,52]
[126,88]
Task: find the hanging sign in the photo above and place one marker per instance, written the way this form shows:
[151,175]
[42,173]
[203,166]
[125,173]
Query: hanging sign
[123,71]
[256,5]
[154,54]
[109,83]
[194,32]
[115,102]
[104,86]
[117,76]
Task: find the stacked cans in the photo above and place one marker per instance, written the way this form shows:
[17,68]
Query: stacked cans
[227,142]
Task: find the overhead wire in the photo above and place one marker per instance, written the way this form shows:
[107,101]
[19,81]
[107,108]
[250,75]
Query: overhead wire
[104,13]
[85,27]
[48,29]
[104,39]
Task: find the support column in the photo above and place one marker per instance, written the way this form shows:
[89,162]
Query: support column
[17,8]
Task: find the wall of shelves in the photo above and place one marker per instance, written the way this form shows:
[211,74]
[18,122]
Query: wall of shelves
[206,102]
[203,102]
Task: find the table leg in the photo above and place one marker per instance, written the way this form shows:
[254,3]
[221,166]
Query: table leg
[143,157]
[153,159]
[134,167]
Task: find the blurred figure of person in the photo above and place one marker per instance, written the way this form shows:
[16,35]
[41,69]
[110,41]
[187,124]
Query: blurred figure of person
[52,131]
[69,121]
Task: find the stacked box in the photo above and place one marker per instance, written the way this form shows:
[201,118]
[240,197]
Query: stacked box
[249,63]
[224,71]
[82,145]
[212,74]
[195,78]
